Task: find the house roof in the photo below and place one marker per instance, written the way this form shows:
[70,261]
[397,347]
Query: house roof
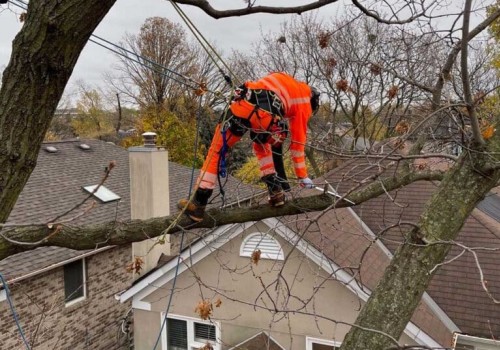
[316,253]
[456,286]
[55,186]
[259,341]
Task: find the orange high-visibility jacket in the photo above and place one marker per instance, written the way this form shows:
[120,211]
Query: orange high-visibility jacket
[296,99]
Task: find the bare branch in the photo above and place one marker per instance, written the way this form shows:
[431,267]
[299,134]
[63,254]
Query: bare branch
[378,17]
[209,10]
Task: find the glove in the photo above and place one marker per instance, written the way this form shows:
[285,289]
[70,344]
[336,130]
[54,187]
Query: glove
[306,183]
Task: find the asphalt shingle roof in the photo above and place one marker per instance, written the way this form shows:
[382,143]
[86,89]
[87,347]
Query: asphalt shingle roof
[456,286]
[55,186]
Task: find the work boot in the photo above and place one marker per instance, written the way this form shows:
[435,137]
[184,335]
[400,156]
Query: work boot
[276,193]
[195,209]
[277,199]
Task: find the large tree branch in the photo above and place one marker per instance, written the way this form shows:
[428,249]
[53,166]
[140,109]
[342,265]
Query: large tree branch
[464,58]
[209,10]
[118,233]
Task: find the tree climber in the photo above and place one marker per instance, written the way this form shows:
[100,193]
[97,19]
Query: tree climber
[261,107]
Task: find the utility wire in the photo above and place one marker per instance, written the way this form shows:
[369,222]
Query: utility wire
[183,232]
[205,44]
[14,313]
[163,324]
[121,51]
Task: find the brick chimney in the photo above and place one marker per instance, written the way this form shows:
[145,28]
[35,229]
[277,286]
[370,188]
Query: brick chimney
[149,195]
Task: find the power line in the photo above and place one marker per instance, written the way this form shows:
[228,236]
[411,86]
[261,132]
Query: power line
[171,291]
[119,50]
[139,59]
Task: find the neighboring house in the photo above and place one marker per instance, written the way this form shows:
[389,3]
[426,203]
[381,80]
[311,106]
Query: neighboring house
[457,286]
[303,292]
[314,274]
[65,299]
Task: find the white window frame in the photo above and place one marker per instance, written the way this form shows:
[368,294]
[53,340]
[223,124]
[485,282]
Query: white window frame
[279,256]
[84,283]
[3,295]
[476,342]
[310,341]
[192,343]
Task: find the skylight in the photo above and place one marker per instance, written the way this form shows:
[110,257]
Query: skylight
[105,195]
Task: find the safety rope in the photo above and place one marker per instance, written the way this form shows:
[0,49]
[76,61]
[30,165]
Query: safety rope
[205,44]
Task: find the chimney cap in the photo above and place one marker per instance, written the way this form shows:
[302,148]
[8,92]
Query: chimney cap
[149,139]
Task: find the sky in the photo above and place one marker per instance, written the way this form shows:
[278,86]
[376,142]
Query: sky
[127,16]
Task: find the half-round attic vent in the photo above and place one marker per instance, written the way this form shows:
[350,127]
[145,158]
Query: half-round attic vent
[51,149]
[84,146]
[268,246]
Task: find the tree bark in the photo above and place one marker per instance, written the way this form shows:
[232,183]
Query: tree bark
[116,233]
[43,57]
[398,293]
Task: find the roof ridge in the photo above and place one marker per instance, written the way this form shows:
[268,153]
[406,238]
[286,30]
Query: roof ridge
[62,141]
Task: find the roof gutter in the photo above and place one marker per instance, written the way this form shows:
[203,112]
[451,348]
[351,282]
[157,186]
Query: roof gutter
[56,265]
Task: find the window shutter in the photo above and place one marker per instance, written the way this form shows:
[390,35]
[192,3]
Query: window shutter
[268,246]
[204,332]
[177,334]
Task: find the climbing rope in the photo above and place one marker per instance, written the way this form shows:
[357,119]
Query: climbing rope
[209,49]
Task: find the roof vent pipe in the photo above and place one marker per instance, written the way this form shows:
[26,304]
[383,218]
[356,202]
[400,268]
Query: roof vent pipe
[149,139]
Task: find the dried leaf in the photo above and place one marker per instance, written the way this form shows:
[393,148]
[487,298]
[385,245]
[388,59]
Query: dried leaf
[342,85]
[402,128]
[202,89]
[330,64]
[207,346]
[204,309]
[218,302]
[22,17]
[393,91]
[135,266]
[488,132]
[323,39]
[375,68]
[256,256]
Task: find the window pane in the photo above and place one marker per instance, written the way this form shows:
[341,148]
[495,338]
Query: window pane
[176,334]
[204,332]
[73,280]
[323,347]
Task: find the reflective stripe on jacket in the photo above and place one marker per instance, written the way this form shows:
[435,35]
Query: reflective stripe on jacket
[296,99]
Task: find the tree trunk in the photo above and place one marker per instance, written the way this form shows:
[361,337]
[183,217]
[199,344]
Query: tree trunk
[393,302]
[43,57]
